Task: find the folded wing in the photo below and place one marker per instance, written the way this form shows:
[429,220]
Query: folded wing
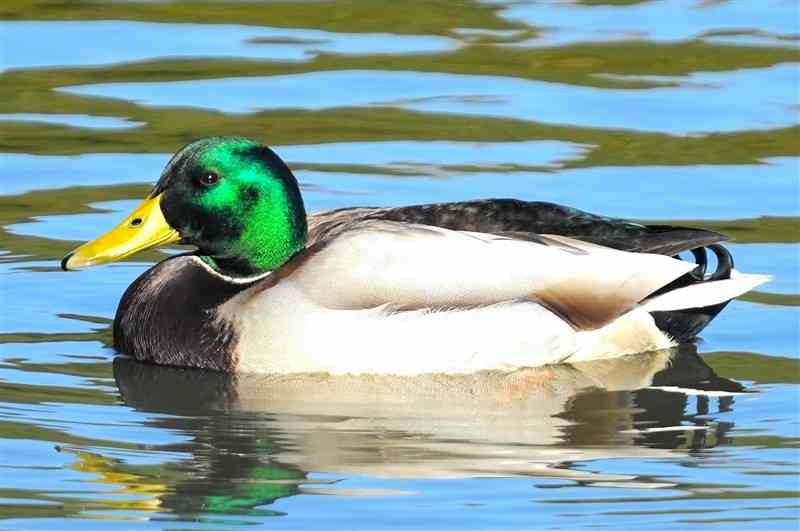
[410,266]
[495,216]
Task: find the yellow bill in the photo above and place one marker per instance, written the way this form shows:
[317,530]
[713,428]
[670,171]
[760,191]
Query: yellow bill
[144,229]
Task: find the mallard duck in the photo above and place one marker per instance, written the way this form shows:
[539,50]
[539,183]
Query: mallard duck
[451,288]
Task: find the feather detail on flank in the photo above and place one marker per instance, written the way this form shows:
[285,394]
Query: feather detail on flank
[428,291]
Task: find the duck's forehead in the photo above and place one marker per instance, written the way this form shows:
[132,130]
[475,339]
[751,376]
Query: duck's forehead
[214,152]
[226,155]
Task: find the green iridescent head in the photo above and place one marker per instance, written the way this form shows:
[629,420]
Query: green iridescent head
[237,201]
[233,198]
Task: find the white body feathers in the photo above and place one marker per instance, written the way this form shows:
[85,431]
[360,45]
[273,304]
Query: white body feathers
[395,298]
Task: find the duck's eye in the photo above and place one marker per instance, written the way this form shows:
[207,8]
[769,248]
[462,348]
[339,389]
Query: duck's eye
[209,178]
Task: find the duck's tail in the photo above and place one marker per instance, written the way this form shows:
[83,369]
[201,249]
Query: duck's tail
[687,305]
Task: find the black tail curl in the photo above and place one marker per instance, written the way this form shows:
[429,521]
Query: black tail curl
[684,325]
[724,263]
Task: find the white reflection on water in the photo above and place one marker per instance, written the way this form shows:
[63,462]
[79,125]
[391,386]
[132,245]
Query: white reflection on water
[434,425]
[716,96]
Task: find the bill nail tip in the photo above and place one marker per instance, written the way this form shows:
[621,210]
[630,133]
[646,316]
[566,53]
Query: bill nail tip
[65,260]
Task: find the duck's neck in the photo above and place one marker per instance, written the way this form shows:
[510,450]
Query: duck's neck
[273,232]
[265,251]
[235,267]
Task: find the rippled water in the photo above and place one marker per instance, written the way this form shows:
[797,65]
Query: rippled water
[684,111]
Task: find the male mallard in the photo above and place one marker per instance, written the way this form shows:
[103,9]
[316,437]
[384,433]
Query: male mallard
[454,287]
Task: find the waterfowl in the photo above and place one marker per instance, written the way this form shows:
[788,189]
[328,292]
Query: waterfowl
[452,288]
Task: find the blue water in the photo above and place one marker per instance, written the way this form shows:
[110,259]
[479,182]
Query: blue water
[716,96]
[677,111]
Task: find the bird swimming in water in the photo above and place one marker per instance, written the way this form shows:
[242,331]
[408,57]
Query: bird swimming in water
[438,288]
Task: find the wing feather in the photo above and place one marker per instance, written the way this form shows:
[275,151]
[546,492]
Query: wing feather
[409,266]
[499,216]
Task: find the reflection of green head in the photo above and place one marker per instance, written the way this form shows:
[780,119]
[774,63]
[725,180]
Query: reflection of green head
[237,201]
[265,485]
[233,467]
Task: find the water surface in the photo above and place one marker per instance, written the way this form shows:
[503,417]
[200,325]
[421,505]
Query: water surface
[679,111]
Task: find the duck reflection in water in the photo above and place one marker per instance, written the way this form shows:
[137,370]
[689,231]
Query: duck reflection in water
[255,438]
